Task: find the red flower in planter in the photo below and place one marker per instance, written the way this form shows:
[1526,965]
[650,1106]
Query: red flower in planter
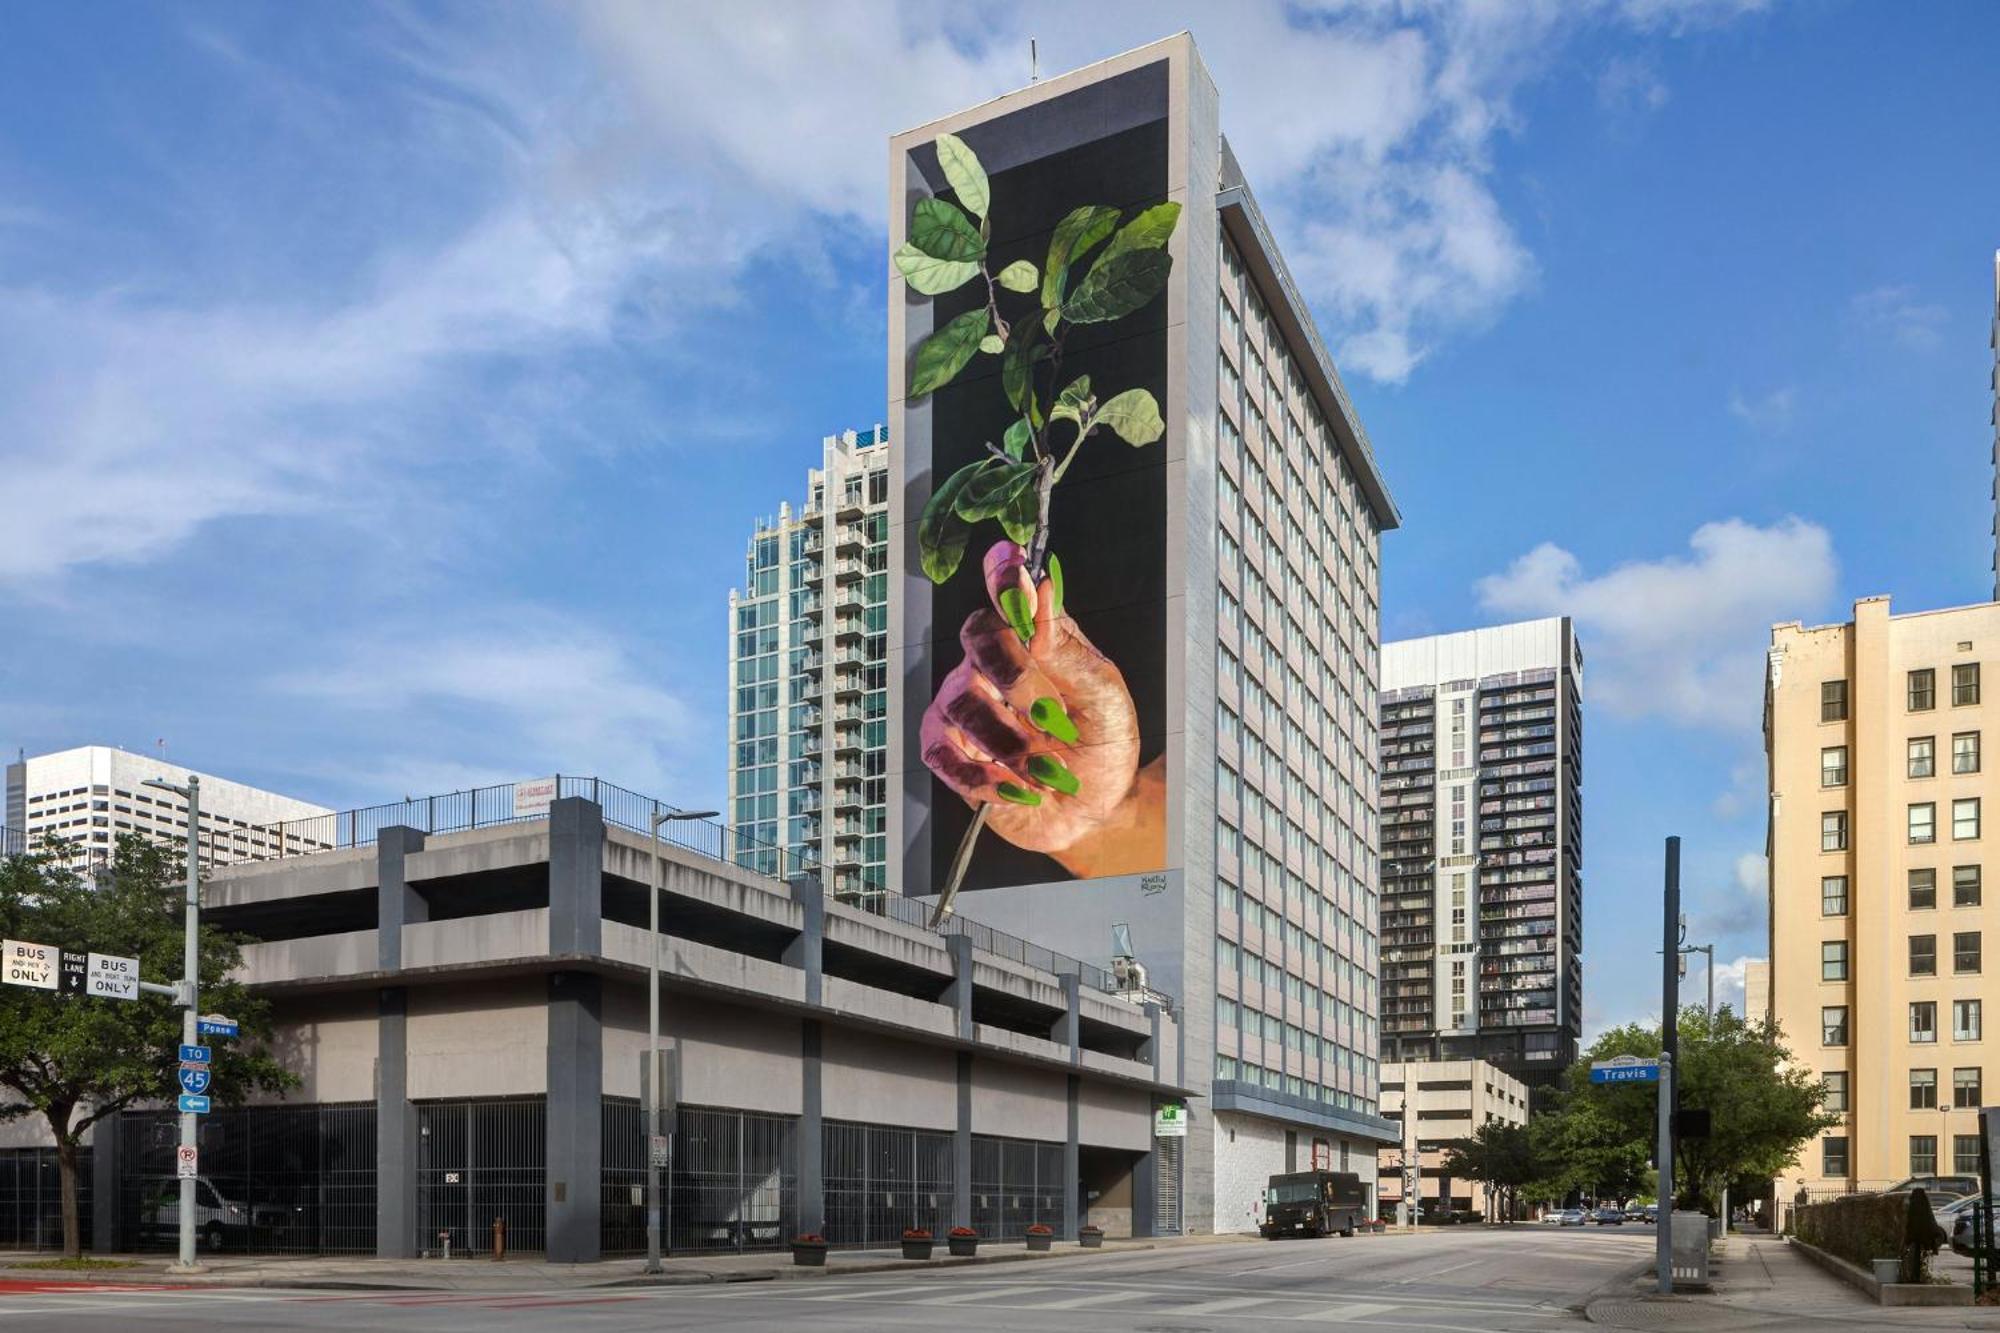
[916,1233]
[964,1233]
[810,1238]
[1039,1230]
[1089,1227]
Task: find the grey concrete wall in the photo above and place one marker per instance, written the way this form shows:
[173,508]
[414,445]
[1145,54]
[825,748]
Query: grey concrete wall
[575,1118]
[576,875]
[1019,1101]
[887,1082]
[331,1042]
[1111,1117]
[478,1039]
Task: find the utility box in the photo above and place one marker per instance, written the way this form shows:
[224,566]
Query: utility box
[1688,1248]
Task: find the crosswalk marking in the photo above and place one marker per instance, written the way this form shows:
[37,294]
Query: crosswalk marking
[981,1294]
[865,1294]
[1341,1314]
[1219,1307]
[1078,1302]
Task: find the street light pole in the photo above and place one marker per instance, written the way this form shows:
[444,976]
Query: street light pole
[190,990]
[652,1090]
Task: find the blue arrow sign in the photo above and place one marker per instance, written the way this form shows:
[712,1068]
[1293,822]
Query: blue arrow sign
[194,1055]
[195,1080]
[215,1027]
[196,1105]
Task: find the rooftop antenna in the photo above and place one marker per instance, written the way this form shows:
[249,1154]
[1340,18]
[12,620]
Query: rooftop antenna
[1034,63]
[161,741]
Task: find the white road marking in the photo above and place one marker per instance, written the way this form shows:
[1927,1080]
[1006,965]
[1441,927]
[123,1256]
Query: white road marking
[1078,1302]
[1342,1314]
[980,1294]
[1218,1307]
[865,1294]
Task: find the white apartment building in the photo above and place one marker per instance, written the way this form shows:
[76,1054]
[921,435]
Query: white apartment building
[1437,1104]
[89,795]
[809,676]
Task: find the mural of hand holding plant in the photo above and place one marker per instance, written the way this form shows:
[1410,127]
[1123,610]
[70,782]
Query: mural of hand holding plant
[1035,728]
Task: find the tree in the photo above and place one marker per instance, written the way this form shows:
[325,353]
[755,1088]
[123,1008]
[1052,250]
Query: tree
[1499,1156]
[1762,1107]
[74,1059]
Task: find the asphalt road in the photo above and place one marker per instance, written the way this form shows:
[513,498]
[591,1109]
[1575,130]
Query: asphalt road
[1529,1279]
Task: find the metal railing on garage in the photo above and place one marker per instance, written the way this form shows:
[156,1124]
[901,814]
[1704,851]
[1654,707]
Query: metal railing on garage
[881,1179]
[478,1161]
[735,1181]
[1015,1184]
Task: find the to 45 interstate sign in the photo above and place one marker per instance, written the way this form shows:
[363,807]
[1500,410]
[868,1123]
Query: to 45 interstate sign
[1625,1069]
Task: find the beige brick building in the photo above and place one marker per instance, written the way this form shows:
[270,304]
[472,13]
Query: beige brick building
[1435,1103]
[1874,733]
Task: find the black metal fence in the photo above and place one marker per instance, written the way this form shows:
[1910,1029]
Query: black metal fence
[478,1161]
[735,1181]
[274,1180]
[881,1179]
[31,1198]
[621,1227]
[1015,1184]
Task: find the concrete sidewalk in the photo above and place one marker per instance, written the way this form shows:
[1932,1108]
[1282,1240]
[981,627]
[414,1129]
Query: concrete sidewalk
[514,1275]
[1761,1283]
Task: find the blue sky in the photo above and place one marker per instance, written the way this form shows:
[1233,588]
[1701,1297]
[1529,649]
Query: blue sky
[385,393]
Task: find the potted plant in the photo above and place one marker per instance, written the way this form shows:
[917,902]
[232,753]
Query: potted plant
[1040,1237]
[916,1243]
[809,1250]
[963,1242]
[1090,1236]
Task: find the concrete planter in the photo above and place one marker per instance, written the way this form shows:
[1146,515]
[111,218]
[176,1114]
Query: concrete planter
[1887,1270]
[917,1249]
[1090,1238]
[1041,1241]
[805,1254]
[962,1247]
[1886,1293]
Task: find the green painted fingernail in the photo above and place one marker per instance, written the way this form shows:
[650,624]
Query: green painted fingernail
[1055,585]
[1050,716]
[1053,772]
[1014,606]
[1019,795]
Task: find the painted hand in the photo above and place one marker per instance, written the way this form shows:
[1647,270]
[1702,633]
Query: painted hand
[1044,731]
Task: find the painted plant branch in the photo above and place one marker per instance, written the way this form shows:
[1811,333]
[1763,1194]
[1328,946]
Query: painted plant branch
[1025,320]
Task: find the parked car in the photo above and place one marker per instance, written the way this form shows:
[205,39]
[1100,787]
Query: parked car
[1572,1217]
[1957,1220]
[224,1215]
[1637,1213]
[1609,1216]
[1947,1187]
[1552,1217]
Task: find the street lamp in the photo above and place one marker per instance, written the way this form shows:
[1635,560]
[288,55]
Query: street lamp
[190,986]
[652,1090]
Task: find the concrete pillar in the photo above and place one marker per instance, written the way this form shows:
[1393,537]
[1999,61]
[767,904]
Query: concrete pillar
[958,995]
[961,1145]
[808,950]
[1073,1161]
[1067,1031]
[575,1124]
[105,1150]
[395,1131]
[397,904]
[1146,1189]
[812,1139]
[576,876]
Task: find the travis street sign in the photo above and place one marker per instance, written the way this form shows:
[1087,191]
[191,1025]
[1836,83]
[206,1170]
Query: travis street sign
[1625,1069]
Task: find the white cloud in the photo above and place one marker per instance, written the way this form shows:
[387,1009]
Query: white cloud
[1728,986]
[1896,313]
[1679,637]
[1768,414]
[514,693]
[1753,875]
[1628,85]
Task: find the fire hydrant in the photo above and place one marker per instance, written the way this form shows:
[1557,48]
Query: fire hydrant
[499,1238]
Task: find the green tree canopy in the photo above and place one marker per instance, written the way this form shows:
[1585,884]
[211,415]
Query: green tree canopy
[1501,1157]
[74,1059]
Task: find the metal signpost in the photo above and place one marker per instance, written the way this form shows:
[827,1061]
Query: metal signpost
[190,986]
[1670,1011]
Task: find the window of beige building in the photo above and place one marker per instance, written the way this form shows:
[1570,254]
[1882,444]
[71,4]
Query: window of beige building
[1965,887]
[1833,831]
[1923,955]
[1923,1021]
[1833,895]
[1965,1154]
[1965,752]
[1923,889]
[1833,960]
[1923,1154]
[1923,756]
[1923,821]
[1923,1089]
[1965,684]
[1965,1024]
[1833,1155]
[1834,1081]
[1965,952]
[1833,766]
[1965,1088]
[1833,701]
[1923,690]
[1833,1025]
[1965,819]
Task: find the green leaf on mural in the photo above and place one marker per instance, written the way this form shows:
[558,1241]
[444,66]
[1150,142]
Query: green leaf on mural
[1016,439]
[1134,416]
[1050,716]
[1053,772]
[1149,230]
[964,174]
[932,277]
[991,344]
[941,230]
[1117,286]
[942,355]
[1022,513]
[1019,276]
[1014,605]
[1019,795]
[941,533]
[1055,585]
[1018,361]
[993,488]
[1074,235]
[1070,402]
